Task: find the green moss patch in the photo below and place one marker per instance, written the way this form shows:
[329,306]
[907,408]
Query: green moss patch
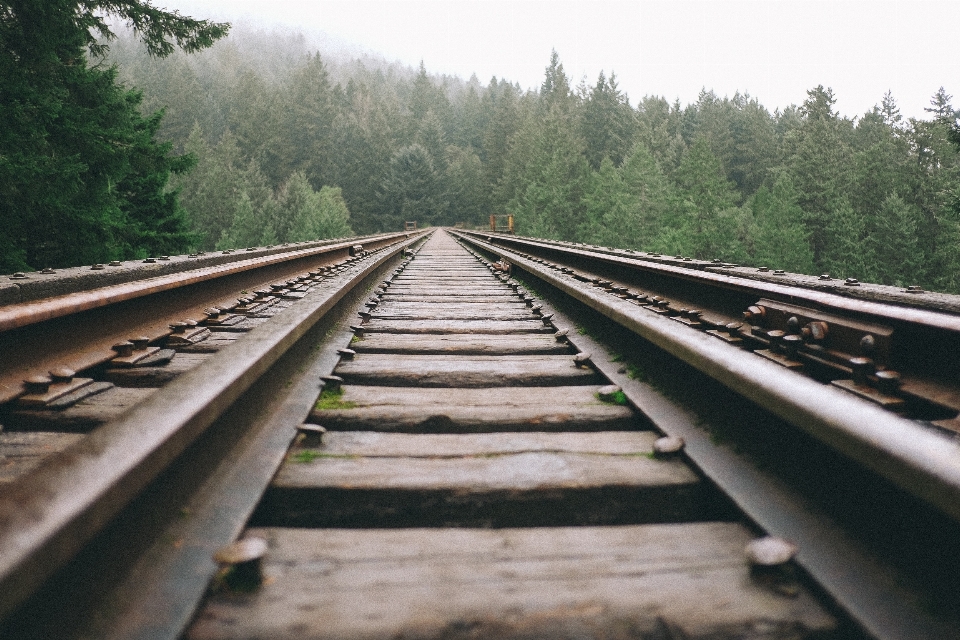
[332,399]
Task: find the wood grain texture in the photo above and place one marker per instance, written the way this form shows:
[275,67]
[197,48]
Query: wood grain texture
[460,344]
[403,409]
[464,371]
[501,479]
[660,582]
[477,327]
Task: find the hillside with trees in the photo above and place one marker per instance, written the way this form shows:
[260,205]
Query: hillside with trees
[291,143]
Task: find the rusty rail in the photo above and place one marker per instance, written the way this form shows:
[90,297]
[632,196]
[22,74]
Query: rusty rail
[48,515]
[78,329]
[923,460]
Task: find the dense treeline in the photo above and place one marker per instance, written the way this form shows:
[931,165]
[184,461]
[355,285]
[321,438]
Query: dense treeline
[802,188]
[291,144]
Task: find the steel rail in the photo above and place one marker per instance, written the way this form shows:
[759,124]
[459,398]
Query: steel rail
[50,513]
[918,316]
[77,330]
[26,313]
[921,461]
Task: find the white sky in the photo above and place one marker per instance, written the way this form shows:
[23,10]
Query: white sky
[773,49]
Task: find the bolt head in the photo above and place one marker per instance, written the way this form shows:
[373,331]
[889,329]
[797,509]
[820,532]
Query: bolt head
[331,382]
[581,359]
[38,383]
[888,381]
[241,551]
[668,446]
[311,435]
[770,551]
[123,349]
[62,374]
[608,392]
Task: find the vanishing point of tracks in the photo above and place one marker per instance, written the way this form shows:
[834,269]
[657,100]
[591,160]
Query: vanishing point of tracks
[455,435]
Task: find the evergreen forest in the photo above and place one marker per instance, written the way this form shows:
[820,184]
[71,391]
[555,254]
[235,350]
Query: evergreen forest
[266,139]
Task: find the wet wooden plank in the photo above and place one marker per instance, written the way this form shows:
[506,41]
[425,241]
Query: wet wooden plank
[473,410]
[450,290]
[654,581]
[457,281]
[394,311]
[154,376]
[439,299]
[21,452]
[362,479]
[464,371]
[462,344]
[84,416]
[480,327]
[455,305]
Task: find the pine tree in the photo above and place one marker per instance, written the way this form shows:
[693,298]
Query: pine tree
[847,253]
[710,201]
[466,193]
[819,161]
[607,123]
[411,190]
[895,243]
[777,238]
[82,178]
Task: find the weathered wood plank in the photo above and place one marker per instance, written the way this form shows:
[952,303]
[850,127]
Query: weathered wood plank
[450,290]
[464,371]
[461,344]
[479,327]
[395,311]
[474,410]
[21,452]
[506,297]
[513,304]
[154,376]
[653,581]
[83,416]
[514,479]
[369,444]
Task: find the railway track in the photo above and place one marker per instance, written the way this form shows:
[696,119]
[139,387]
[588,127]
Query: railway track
[513,439]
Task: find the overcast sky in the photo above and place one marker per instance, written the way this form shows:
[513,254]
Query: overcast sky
[773,49]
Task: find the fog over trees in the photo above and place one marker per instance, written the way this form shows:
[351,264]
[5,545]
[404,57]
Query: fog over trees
[291,143]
